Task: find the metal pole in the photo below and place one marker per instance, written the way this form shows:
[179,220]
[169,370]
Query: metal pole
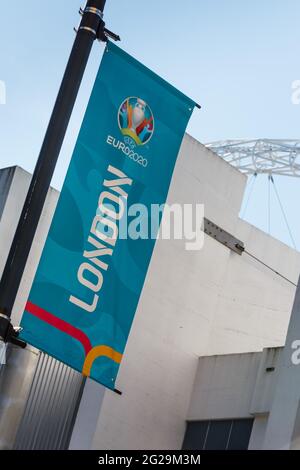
[91,27]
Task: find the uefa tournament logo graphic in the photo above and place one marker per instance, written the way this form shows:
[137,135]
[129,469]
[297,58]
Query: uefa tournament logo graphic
[136,121]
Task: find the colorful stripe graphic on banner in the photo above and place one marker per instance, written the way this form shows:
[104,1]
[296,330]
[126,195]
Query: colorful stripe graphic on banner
[89,279]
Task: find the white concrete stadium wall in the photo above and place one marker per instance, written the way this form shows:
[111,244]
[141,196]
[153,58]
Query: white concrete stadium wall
[194,304]
[8,223]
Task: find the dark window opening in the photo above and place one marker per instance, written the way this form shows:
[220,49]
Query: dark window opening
[231,434]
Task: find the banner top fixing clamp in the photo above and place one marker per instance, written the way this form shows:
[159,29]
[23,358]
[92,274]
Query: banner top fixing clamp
[94,24]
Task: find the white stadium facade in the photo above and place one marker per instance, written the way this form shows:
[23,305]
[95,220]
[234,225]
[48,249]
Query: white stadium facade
[212,359]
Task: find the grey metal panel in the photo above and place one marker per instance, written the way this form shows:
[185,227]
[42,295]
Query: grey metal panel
[51,408]
[6,177]
[16,377]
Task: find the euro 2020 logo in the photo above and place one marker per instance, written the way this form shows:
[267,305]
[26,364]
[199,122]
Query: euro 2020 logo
[136,121]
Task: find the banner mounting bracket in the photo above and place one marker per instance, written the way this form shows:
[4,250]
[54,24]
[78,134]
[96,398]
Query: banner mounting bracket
[223,237]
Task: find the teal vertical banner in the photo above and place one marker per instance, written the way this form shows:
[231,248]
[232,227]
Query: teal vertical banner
[89,279]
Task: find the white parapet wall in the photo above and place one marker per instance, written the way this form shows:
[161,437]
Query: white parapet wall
[14,187]
[237,387]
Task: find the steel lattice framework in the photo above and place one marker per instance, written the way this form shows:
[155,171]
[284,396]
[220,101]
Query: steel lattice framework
[272,157]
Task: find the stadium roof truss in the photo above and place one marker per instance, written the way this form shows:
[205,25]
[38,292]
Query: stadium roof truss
[252,157]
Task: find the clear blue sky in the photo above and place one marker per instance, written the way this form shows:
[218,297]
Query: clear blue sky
[236,58]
